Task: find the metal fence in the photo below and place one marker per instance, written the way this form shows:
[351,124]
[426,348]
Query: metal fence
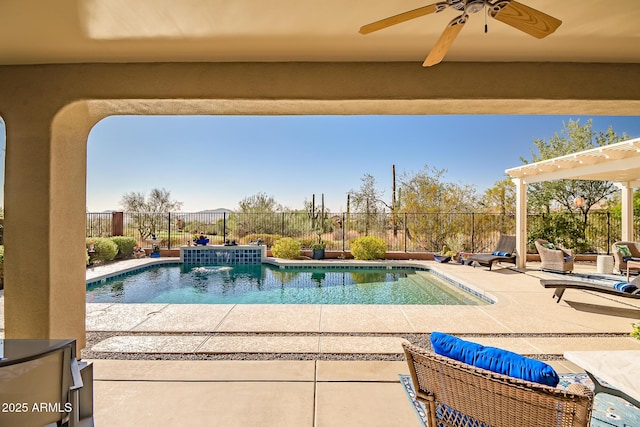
[409,232]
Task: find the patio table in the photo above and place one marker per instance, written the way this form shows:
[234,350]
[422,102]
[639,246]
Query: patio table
[620,369]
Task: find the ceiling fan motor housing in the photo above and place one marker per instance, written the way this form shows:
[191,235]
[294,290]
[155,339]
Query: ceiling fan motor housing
[473,6]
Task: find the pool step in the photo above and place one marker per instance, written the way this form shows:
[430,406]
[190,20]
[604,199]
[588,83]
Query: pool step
[444,292]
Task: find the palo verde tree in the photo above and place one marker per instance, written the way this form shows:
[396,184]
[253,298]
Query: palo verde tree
[547,197]
[149,213]
[500,200]
[433,206]
[257,215]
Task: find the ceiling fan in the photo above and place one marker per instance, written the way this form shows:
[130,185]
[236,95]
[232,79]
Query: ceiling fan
[511,12]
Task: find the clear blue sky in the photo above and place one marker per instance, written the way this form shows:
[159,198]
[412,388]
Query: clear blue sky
[210,162]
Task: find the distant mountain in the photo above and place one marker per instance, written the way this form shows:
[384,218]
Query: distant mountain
[216,211]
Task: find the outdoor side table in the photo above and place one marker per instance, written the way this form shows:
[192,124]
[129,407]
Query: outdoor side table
[618,368]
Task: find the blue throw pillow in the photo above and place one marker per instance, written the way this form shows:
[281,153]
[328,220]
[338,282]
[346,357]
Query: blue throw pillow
[625,287]
[494,359]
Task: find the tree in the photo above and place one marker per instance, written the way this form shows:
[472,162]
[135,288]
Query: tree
[148,213]
[366,201]
[501,198]
[259,203]
[257,215]
[439,204]
[547,196]
[498,206]
[615,205]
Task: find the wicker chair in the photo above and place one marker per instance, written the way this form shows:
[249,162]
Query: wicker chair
[620,263]
[456,395]
[559,259]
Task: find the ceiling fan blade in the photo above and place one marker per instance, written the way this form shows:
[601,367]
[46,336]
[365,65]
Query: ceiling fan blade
[445,41]
[524,18]
[402,17]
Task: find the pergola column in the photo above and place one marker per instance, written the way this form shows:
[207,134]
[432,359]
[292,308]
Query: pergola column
[627,211]
[521,222]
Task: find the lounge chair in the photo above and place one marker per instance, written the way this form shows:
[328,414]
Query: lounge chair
[504,252]
[457,394]
[554,258]
[627,291]
[620,258]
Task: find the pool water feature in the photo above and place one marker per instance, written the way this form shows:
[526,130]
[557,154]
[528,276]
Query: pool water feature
[265,284]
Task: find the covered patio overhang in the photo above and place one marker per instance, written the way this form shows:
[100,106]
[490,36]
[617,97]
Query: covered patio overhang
[619,162]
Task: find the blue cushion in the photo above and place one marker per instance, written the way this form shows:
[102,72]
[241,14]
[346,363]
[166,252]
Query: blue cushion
[494,359]
[625,287]
[498,253]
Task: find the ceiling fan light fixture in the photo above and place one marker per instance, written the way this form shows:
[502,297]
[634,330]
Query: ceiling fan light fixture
[474,6]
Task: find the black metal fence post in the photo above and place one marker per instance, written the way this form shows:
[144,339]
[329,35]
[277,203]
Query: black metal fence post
[224,227]
[608,233]
[405,232]
[344,225]
[169,230]
[473,231]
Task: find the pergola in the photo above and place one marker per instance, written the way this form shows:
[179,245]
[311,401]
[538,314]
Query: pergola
[618,162]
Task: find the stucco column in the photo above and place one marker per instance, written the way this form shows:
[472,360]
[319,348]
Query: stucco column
[521,222]
[45,203]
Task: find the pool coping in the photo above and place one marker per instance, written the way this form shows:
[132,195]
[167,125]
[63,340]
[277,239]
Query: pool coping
[298,264]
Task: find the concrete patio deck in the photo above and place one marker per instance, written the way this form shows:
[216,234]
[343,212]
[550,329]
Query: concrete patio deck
[321,392]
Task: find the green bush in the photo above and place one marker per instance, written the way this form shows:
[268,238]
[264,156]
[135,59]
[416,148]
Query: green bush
[635,331]
[286,248]
[105,249]
[368,247]
[125,246]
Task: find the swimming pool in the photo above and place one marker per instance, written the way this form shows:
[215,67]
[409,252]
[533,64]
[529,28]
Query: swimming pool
[265,284]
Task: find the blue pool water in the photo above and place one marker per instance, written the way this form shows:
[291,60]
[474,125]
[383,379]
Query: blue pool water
[264,284]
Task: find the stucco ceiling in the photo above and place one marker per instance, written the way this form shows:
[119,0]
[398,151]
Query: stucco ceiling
[72,31]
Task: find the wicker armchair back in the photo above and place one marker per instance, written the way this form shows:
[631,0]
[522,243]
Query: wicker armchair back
[456,395]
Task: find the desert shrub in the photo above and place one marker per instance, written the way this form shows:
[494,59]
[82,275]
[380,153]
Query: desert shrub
[105,249]
[216,240]
[176,242]
[125,246]
[635,331]
[307,243]
[368,247]
[267,239]
[286,248]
